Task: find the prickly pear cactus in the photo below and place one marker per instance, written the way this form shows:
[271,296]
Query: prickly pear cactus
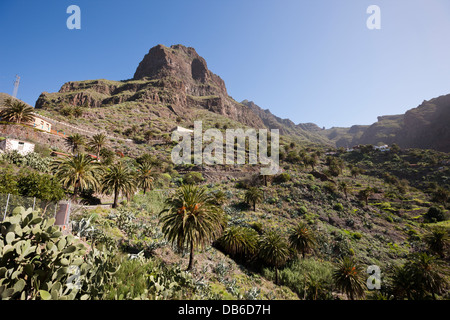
[36,259]
[38,262]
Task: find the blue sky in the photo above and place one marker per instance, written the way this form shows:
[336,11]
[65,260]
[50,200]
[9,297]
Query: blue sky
[310,61]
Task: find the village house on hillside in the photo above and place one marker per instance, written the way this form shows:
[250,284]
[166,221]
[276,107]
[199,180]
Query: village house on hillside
[182,130]
[382,148]
[41,124]
[22,147]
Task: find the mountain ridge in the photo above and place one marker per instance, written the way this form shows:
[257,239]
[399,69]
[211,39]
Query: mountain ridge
[174,84]
[425,127]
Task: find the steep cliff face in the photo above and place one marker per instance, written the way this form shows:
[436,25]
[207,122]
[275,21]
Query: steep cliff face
[173,79]
[182,63]
[426,126]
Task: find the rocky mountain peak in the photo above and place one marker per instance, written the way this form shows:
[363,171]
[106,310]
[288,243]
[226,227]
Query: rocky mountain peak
[182,63]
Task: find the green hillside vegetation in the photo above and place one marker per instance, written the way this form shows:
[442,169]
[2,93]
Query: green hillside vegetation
[407,194]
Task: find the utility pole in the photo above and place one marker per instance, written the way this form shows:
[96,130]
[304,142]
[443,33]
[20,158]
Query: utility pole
[16,86]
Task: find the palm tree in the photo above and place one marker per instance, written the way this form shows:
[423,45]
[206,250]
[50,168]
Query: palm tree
[301,239]
[274,250]
[97,142]
[253,196]
[238,240]
[441,195]
[220,197]
[311,161]
[145,176]
[354,171]
[79,172]
[426,273]
[16,111]
[402,282]
[191,219]
[437,241]
[365,194]
[75,142]
[117,179]
[348,278]
[343,186]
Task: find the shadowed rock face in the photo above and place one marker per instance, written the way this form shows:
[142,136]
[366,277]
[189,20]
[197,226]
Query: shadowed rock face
[182,63]
[199,70]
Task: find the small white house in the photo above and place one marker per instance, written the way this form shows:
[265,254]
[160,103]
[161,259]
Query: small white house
[21,146]
[182,130]
[382,148]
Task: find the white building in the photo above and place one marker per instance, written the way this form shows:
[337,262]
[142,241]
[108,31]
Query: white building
[382,148]
[181,130]
[21,146]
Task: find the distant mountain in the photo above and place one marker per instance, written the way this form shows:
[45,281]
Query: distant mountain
[426,126]
[304,131]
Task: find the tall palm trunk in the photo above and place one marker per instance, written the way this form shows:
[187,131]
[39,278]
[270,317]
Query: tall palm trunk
[76,190]
[116,197]
[191,257]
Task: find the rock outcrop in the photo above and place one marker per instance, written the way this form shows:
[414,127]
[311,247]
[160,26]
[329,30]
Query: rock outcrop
[174,78]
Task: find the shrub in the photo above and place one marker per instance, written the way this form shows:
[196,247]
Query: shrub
[309,278]
[356,235]
[8,182]
[435,214]
[330,187]
[66,111]
[257,226]
[283,177]
[338,207]
[193,178]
